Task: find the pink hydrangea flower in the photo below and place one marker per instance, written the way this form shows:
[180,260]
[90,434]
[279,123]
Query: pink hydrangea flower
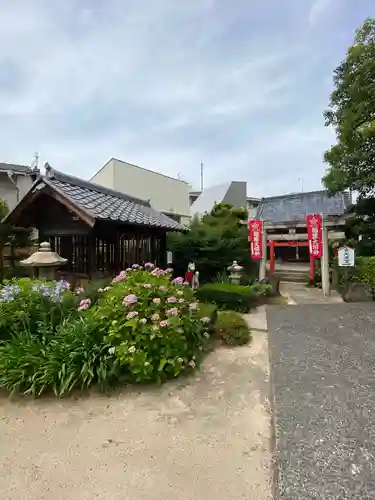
[120,277]
[172,312]
[178,281]
[131,315]
[186,283]
[130,299]
[163,323]
[155,317]
[171,300]
[149,265]
[84,304]
[135,266]
[156,300]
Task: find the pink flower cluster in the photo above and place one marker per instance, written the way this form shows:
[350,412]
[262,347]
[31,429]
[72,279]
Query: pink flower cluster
[178,281]
[131,315]
[120,277]
[171,300]
[172,312]
[149,265]
[130,300]
[84,304]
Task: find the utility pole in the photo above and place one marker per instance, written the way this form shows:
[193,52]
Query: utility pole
[35,162]
[301,181]
[202,166]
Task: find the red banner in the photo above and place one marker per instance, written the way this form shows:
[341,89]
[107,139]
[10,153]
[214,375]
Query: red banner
[255,231]
[314,225]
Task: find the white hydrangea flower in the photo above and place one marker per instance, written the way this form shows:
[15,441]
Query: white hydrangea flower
[131,349]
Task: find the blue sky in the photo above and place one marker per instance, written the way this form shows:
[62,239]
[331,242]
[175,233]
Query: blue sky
[240,85]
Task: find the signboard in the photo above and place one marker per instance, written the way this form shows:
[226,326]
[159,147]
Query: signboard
[169,257]
[314,225]
[255,232]
[346,257]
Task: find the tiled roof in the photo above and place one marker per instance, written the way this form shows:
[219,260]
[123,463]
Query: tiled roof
[295,207]
[106,204]
[20,169]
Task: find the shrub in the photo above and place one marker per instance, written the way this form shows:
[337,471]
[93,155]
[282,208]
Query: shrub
[74,356]
[151,323]
[25,304]
[143,328]
[233,297]
[365,271]
[232,328]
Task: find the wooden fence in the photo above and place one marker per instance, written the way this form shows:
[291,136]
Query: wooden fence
[10,258]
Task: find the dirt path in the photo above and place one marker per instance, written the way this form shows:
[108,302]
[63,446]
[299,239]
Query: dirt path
[199,438]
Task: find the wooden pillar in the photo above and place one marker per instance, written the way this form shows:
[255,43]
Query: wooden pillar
[325,262]
[163,250]
[312,269]
[263,262]
[272,257]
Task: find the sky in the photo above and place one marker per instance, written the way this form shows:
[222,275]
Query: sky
[240,85]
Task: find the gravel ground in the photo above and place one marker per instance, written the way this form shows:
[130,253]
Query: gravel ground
[203,437]
[323,379]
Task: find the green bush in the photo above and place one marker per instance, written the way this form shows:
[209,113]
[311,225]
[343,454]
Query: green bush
[143,328]
[232,328]
[26,304]
[213,242]
[365,271]
[233,297]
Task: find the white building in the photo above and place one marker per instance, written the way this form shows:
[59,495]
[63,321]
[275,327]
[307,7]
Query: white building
[166,194]
[15,182]
[232,192]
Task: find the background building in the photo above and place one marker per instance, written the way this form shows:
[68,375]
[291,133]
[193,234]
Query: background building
[233,193]
[15,182]
[166,194]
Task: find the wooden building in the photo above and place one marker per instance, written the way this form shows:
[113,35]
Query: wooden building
[100,231]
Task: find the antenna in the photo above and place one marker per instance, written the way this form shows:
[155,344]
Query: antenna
[35,162]
[301,181]
[202,166]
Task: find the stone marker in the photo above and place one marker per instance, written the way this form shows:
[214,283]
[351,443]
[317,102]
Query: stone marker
[358,292]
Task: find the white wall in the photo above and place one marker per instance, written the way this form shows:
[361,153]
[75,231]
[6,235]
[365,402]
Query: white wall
[8,191]
[105,176]
[165,193]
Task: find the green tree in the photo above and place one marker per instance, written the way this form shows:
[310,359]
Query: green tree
[351,113]
[213,242]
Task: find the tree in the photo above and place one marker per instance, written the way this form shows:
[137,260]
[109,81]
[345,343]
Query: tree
[352,114]
[213,242]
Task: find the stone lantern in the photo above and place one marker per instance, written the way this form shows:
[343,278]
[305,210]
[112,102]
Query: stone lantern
[44,261]
[235,273]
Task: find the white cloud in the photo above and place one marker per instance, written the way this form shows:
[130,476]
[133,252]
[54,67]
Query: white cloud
[163,84]
[321,10]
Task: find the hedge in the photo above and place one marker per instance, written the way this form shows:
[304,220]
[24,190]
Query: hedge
[232,328]
[233,297]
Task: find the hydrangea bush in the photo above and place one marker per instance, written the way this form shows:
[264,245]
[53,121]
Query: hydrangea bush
[151,323]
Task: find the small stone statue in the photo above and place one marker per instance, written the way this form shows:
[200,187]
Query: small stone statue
[192,276]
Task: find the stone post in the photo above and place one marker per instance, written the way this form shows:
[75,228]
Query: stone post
[325,262]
